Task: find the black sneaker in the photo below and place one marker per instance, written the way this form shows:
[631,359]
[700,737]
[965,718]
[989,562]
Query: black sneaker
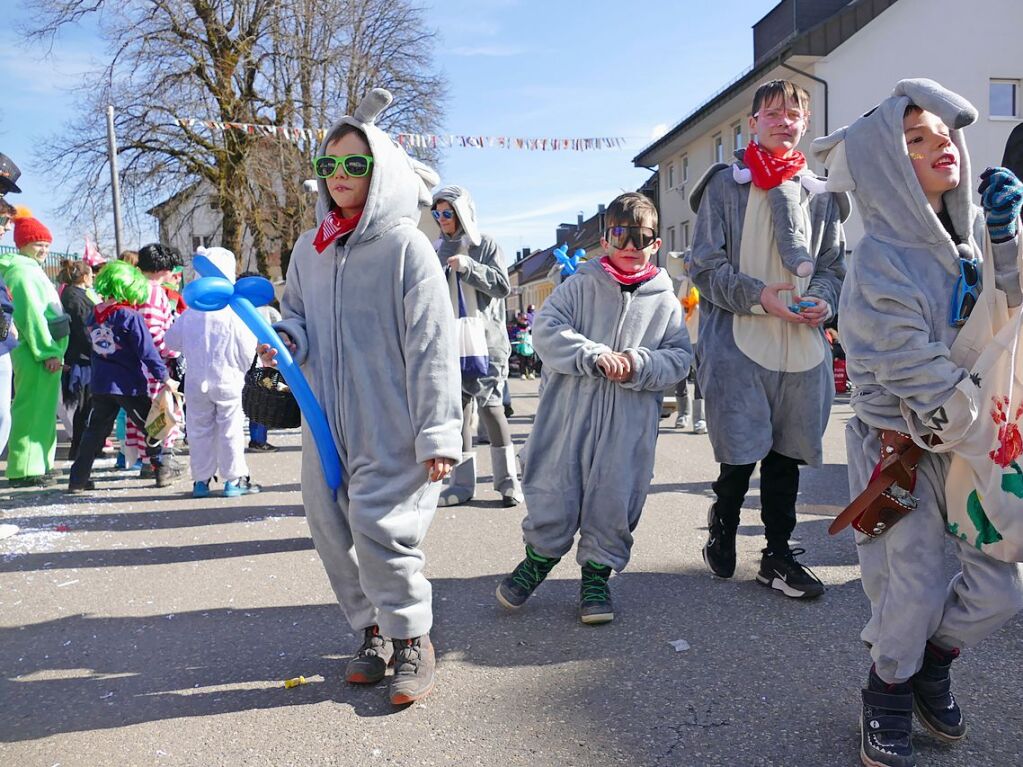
[783,572]
[371,660]
[75,488]
[886,725]
[595,595]
[414,668]
[515,589]
[719,551]
[168,473]
[262,447]
[933,701]
[508,411]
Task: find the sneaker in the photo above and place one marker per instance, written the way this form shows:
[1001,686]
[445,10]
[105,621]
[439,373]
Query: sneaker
[933,701]
[784,573]
[682,421]
[40,480]
[515,589]
[719,550]
[201,489]
[886,725]
[167,473]
[240,486]
[414,668]
[262,447]
[700,427]
[74,488]
[147,471]
[121,462]
[595,596]
[509,411]
[371,660]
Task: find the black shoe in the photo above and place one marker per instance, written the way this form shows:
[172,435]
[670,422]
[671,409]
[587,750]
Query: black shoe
[80,487]
[783,572]
[168,473]
[508,411]
[262,447]
[147,471]
[414,667]
[40,480]
[515,589]
[595,595]
[933,701]
[886,725]
[719,551]
[371,660]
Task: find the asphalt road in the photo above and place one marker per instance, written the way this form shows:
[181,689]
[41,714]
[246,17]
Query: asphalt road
[143,627]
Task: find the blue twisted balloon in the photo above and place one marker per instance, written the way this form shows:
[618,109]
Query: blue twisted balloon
[569,264]
[213,292]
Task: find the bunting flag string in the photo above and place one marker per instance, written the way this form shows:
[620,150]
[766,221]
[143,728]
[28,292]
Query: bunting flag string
[422,140]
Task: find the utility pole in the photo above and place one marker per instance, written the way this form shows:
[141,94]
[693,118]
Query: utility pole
[115,184]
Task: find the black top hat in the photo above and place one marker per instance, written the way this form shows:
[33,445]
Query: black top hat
[9,173]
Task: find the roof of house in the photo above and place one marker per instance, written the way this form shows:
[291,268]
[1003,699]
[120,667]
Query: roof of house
[818,40]
[157,210]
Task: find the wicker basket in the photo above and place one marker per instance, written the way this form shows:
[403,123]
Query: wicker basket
[264,402]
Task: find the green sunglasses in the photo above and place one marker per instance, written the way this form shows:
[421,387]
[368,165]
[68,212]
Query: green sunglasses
[354,165]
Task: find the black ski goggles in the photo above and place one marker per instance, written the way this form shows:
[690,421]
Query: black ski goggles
[618,237]
[354,165]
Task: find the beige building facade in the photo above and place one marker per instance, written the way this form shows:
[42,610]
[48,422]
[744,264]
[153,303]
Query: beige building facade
[848,61]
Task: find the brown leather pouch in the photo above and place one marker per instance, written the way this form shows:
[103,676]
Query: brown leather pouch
[888,497]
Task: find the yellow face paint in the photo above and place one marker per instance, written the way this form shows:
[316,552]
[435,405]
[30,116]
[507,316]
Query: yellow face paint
[915,156]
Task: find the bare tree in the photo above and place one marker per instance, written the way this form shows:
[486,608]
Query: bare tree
[296,63]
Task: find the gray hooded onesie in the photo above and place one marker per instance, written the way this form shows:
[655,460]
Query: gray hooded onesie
[591,452]
[372,322]
[760,397]
[894,324]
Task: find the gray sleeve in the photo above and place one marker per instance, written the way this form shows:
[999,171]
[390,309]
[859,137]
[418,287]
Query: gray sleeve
[488,274]
[1006,257]
[826,283]
[661,368]
[433,380]
[717,280]
[293,309]
[559,345]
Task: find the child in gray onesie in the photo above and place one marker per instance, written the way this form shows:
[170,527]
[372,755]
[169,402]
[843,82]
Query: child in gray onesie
[906,165]
[612,339]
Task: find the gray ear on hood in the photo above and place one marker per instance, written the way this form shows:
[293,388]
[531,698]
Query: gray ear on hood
[372,104]
[955,111]
[830,150]
[428,178]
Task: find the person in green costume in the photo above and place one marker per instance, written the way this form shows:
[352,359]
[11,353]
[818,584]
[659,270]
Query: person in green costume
[43,330]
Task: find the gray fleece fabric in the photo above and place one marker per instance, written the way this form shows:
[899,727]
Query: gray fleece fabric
[894,325]
[590,456]
[752,410]
[372,320]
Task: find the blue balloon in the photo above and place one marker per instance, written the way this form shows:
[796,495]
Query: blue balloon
[569,264]
[212,292]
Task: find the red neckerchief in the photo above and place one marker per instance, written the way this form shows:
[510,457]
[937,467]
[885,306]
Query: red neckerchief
[633,278]
[104,310]
[334,226]
[769,170]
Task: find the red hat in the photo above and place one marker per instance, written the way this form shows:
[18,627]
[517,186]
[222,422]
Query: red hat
[28,229]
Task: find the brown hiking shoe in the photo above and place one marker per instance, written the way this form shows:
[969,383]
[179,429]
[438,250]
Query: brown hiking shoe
[414,666]
[371,660]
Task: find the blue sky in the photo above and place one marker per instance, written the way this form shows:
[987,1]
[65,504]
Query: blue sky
[517,68]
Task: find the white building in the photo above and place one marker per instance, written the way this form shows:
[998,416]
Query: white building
[848,56]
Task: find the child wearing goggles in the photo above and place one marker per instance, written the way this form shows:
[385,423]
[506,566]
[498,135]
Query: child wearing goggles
[366,313]
[612,340]
[906,163]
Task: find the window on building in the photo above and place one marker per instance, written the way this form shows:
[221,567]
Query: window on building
[719,149]
[671,175]
[1004,98]
[737,137]
[201,241]
[685,169]
[684,229]
[671,238]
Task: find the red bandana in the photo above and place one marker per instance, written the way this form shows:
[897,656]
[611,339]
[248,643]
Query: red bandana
[648,272]
[770,170]
[334,226]
[107,308]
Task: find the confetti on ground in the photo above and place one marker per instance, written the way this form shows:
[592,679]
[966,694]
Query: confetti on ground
[295,682]
[66,583]
[680,645]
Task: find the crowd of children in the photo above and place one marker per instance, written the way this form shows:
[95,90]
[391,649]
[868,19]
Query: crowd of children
[765,274]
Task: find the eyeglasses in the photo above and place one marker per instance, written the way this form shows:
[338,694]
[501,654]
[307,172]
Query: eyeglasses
[618,237]
[965,293]
[354,165]
[447,215]
[782,115]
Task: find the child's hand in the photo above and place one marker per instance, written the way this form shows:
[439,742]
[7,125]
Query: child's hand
[459,263]
[815,315]
[616,367]
[439,468]
[773,305]
[267,352]
[53,365]
[1001,194]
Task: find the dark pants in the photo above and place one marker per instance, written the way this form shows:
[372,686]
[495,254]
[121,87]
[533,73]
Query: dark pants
[779,485]
[97,429]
